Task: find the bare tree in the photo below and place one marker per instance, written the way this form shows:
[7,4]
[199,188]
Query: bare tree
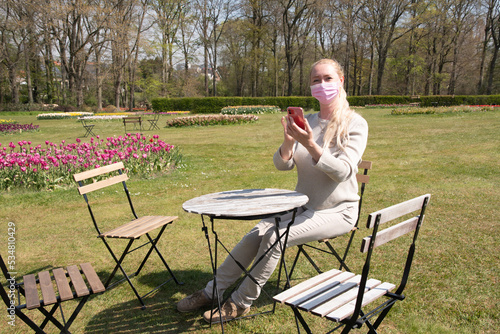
[214,14]
[494,21]
[168,14]
[74,40]
[294,13]
[490,6]
[383,17]
[187,42]
[12,41]
[462,12]
[257,14]
[127,26]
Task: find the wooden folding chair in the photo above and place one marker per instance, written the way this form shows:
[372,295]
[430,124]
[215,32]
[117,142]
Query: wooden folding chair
[55,287]
[363,178]
[341,296]
[153,122]
[88,127]
[131,231]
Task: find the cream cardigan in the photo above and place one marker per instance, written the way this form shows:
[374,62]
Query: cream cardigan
[330,183]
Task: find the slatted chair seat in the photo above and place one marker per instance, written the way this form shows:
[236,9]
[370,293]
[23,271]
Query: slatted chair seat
[138,227]
[342,296]
[333,294]
[54,288]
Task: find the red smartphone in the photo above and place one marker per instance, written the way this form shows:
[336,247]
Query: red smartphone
[297,113]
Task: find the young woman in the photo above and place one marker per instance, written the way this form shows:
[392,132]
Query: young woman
[326,154]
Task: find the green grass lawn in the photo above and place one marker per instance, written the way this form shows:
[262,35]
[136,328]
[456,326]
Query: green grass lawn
[453,285]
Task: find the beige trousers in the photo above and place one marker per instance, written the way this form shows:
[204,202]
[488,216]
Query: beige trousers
[309,225]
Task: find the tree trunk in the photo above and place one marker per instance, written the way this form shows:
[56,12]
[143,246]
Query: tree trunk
[453,74]
[480,82]
[28,73]
[491,70]
[14,88]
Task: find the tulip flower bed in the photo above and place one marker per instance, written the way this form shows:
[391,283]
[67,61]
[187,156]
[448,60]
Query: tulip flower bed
[63,115]
[245,110]
[51,166]
[103,117]
[177,112]
[441,110]
[9,127]
[205,120]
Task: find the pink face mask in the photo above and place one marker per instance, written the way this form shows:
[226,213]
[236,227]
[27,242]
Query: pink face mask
[325,92]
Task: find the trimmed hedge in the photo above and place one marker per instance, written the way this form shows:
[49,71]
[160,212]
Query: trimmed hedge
[457,100]
[213,105]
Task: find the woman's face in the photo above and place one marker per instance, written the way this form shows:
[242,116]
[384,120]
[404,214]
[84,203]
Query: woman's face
[325,72]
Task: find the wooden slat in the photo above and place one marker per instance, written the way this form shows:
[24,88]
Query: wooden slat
[362,178]
[390,233]
[78,282]
[133,229]
[365,164]
[62,284]
[97,171]
[344,298]
[102,184]
[369,296]
[95,283]
[304,286]
[315,294]
[48,293]
[331,293]
[396,210]
[149,223]
[138,227]
[31,290]
[335,296]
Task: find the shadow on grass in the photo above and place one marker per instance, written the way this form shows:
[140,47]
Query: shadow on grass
[161,315]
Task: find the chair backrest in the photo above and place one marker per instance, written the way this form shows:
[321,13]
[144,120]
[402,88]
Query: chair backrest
[368,244]
[106,176]
[412,211]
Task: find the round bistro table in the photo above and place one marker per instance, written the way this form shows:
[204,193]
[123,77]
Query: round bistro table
[246,204]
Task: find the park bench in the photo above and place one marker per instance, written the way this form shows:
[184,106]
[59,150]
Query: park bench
[415,104]
[132,120]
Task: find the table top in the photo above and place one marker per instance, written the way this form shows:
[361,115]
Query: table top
[246,204]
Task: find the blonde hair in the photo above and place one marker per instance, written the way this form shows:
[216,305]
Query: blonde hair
[337,132]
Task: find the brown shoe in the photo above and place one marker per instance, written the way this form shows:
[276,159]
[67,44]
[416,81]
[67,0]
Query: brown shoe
[229,311]
[193,302]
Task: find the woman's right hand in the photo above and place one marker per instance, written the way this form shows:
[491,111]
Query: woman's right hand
[287,137]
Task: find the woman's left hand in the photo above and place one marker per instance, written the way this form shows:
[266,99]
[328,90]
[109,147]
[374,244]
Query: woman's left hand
[304,137]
